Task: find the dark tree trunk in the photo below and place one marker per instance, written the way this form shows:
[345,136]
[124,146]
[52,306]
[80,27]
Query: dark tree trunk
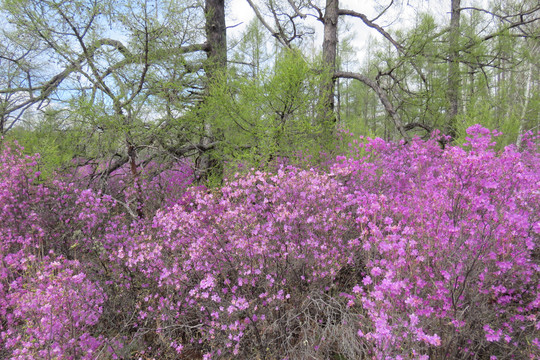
[330,44]
[216,64]
[216,37]
[453,93]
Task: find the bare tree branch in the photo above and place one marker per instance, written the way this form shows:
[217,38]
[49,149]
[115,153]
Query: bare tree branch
[382,12]
[47,88]
[296,10]
[386,35]
[503,17]
[372,25]
[383,97]
[274,33]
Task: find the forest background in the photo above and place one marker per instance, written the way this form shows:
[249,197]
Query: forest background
[129,81]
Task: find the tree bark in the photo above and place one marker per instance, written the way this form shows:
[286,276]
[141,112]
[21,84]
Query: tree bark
[453,93]
[527,95]
[216,36]
[216,64]
[330,43]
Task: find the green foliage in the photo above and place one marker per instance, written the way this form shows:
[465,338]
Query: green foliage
[496,86]
[131,75]
[252,54]
[271,116]
[51,137]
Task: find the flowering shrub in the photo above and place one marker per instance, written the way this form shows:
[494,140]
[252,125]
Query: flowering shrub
[451,241]
[48,305]
[50,311]
[245,262]
[19,223]
[399,251]
[154,185]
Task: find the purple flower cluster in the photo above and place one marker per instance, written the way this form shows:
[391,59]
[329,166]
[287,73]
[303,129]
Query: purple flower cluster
[398,251]
[52,310]
[452,248]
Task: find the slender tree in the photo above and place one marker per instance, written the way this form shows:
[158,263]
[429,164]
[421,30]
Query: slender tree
[215,66]
[454,75]
[329,54]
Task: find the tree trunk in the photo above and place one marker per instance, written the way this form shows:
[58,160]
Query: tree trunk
[216,64]
[216,37]
[527,95]
[330,43]
[453,93]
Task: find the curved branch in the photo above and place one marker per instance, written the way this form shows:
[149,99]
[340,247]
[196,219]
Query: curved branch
[274,33]
[296,9]
[372,25]
[186,149]
[47,88]
[51,85]
[500,16]
[415,125]
[384,33]
[384,11]
[383,97]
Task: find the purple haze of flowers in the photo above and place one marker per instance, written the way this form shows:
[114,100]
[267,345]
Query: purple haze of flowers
[398,252]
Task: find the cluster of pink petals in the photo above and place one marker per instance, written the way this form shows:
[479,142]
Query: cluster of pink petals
[398,251]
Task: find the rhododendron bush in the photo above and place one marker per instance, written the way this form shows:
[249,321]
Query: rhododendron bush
[399,251]
[453,265]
